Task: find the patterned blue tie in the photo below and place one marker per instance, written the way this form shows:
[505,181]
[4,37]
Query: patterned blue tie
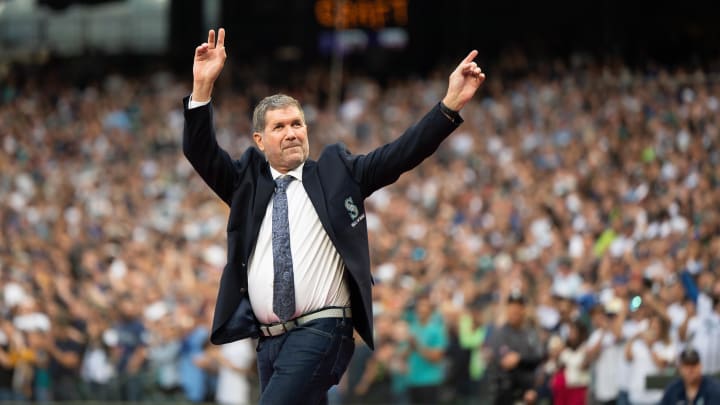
[284,284]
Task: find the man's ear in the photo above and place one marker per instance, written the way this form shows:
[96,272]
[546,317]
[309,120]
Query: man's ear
[257,137]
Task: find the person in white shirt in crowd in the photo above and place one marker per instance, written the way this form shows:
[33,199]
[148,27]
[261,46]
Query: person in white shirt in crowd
[566,281]
[97,369]
[573,378]
[648,354]
[236,360]
[604,351]
[633,324]
[705,282]
[673,294]
[230,363]
[702,331]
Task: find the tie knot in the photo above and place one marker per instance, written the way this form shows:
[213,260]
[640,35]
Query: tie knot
[282,183]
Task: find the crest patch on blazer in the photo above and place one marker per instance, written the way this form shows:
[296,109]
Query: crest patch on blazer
[351,208]
[353,211]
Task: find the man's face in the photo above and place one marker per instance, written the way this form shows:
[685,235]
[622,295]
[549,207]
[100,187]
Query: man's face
[565,307]
[674,292]
[599,318]
[424,309]
[284,139]
[515,314]
[128,308]
[690,373]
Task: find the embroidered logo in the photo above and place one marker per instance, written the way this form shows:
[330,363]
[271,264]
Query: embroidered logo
[353,211]
[351,208]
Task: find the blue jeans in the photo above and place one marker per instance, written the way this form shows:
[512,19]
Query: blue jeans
[300,366]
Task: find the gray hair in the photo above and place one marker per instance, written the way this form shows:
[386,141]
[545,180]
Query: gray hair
[274,102]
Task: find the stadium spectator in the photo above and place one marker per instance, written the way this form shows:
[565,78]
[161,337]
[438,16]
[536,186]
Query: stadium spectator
[8,360]
[472,330]
[428,341]
[604,350]
[648,353]
[163,357]
[236,361]
[516,353]
[570,385]
[194,375]
[130,350]
[97,370]
[702,331]
[65,347]
[692,387]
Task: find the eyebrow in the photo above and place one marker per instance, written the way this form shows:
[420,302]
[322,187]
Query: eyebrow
[292,121]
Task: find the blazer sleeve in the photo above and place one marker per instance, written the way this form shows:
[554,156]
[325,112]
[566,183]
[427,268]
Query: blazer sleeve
[385,164]
[205,155]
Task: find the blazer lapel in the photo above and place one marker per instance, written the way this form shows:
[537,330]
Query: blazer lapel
[311,182]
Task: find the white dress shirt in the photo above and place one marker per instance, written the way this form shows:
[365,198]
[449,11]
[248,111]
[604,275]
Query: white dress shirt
[318,269]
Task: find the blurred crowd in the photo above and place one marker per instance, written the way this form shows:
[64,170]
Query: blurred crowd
[560,247]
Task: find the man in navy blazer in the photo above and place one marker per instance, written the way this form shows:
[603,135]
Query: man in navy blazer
[300,358]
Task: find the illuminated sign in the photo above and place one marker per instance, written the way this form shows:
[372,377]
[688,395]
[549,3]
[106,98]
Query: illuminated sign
[343,14]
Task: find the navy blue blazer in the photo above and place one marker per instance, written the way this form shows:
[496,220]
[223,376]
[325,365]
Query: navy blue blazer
[337,184]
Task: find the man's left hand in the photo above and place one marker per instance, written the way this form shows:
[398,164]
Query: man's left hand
[464,81]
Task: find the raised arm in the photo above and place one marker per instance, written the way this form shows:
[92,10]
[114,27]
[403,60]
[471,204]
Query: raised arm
[209,61]
[199,143]
[385,164]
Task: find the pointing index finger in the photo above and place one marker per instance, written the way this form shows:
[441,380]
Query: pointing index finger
[470,56]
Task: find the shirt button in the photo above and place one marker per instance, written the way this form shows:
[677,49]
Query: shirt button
[242,290]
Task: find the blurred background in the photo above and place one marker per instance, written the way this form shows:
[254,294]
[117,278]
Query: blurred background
[560,247]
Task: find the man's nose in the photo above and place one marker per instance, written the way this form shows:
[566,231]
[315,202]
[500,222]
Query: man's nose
[290,133]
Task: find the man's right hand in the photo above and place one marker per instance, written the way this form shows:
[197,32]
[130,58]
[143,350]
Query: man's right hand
[208,63]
